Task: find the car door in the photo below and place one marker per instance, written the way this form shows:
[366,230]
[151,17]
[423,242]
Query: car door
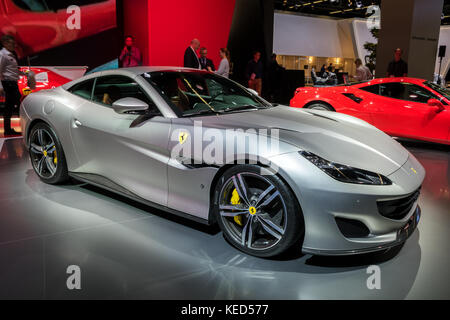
[401,109]
[362,106]
[419,120]
[389,108]
[189,178]
[376,106]
[116,149]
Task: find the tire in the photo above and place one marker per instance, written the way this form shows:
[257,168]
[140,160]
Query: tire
[272,220]
[47,155]
[320,106]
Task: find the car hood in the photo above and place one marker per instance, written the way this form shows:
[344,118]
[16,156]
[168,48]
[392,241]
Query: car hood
[333,136]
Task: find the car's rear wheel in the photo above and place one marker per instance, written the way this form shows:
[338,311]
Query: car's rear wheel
[47,155]
[257,213]
[320,106]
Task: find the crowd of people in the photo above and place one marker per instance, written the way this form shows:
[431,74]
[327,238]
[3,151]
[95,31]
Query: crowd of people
[396,68]
[253,72]
[192,60]
[196,57]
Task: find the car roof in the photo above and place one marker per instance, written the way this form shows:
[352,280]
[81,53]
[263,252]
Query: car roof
[141,70]
[387,80]
[130,72]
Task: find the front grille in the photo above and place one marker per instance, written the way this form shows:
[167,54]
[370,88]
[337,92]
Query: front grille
[398,209]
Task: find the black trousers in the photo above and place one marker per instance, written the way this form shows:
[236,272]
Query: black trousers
[12,100]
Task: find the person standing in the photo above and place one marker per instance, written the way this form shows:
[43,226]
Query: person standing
[9,75]
[224,67]
[330,68]
[130,55]
[206,63]
[322,70]
[190,55]
[362,72]
[397,67]
[254,72]
[275,78]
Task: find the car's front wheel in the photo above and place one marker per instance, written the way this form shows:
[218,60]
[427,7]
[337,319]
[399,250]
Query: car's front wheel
[47,155]
[257,212]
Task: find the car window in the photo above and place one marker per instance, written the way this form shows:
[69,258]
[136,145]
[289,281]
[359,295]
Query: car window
[191,93]
[418,94]
[372,89]
[31,5]
[83,89]
[395,90]
[109,89]
[444,91]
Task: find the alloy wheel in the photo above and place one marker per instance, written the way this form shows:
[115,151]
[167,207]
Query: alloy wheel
[253,211]
[43,153]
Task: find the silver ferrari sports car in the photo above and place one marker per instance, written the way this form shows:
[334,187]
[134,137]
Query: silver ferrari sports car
[203,147]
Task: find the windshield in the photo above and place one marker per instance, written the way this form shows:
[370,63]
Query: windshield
[193,93]
[439,89]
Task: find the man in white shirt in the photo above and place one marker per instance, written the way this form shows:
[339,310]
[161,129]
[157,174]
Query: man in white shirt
[362,72]
[9,75]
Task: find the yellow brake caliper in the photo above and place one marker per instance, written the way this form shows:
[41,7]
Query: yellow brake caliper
[55,157]
[235,200]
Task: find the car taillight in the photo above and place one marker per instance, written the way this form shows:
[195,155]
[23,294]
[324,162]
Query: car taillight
[353,97]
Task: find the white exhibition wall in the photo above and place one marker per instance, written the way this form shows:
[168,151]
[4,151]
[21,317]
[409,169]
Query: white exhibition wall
[301,35]
[361,35]
[306,36]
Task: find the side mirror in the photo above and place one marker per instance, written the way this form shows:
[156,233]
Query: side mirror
[436,104]
[253,91]
[129,105]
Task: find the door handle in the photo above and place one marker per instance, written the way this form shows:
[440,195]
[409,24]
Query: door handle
[77,123]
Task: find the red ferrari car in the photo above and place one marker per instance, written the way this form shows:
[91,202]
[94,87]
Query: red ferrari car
[401,107]
[48,78]
[42,24]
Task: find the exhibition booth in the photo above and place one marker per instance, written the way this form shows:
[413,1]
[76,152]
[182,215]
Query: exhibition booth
[224,150]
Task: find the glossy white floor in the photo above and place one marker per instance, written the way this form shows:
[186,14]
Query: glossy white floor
[126,250]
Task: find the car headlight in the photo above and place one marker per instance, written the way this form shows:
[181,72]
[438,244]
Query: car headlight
[345,173]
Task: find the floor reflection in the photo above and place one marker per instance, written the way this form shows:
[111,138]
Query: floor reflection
[128,250]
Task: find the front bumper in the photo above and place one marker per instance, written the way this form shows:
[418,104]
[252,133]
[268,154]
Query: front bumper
[401,235]
[324,199]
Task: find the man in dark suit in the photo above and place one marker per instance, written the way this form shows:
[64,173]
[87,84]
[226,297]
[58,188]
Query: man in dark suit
[190,55]
[397,67]
[254,72]
[206,63]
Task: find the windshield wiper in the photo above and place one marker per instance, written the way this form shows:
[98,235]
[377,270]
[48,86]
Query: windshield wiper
[243,107]
[204,111]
